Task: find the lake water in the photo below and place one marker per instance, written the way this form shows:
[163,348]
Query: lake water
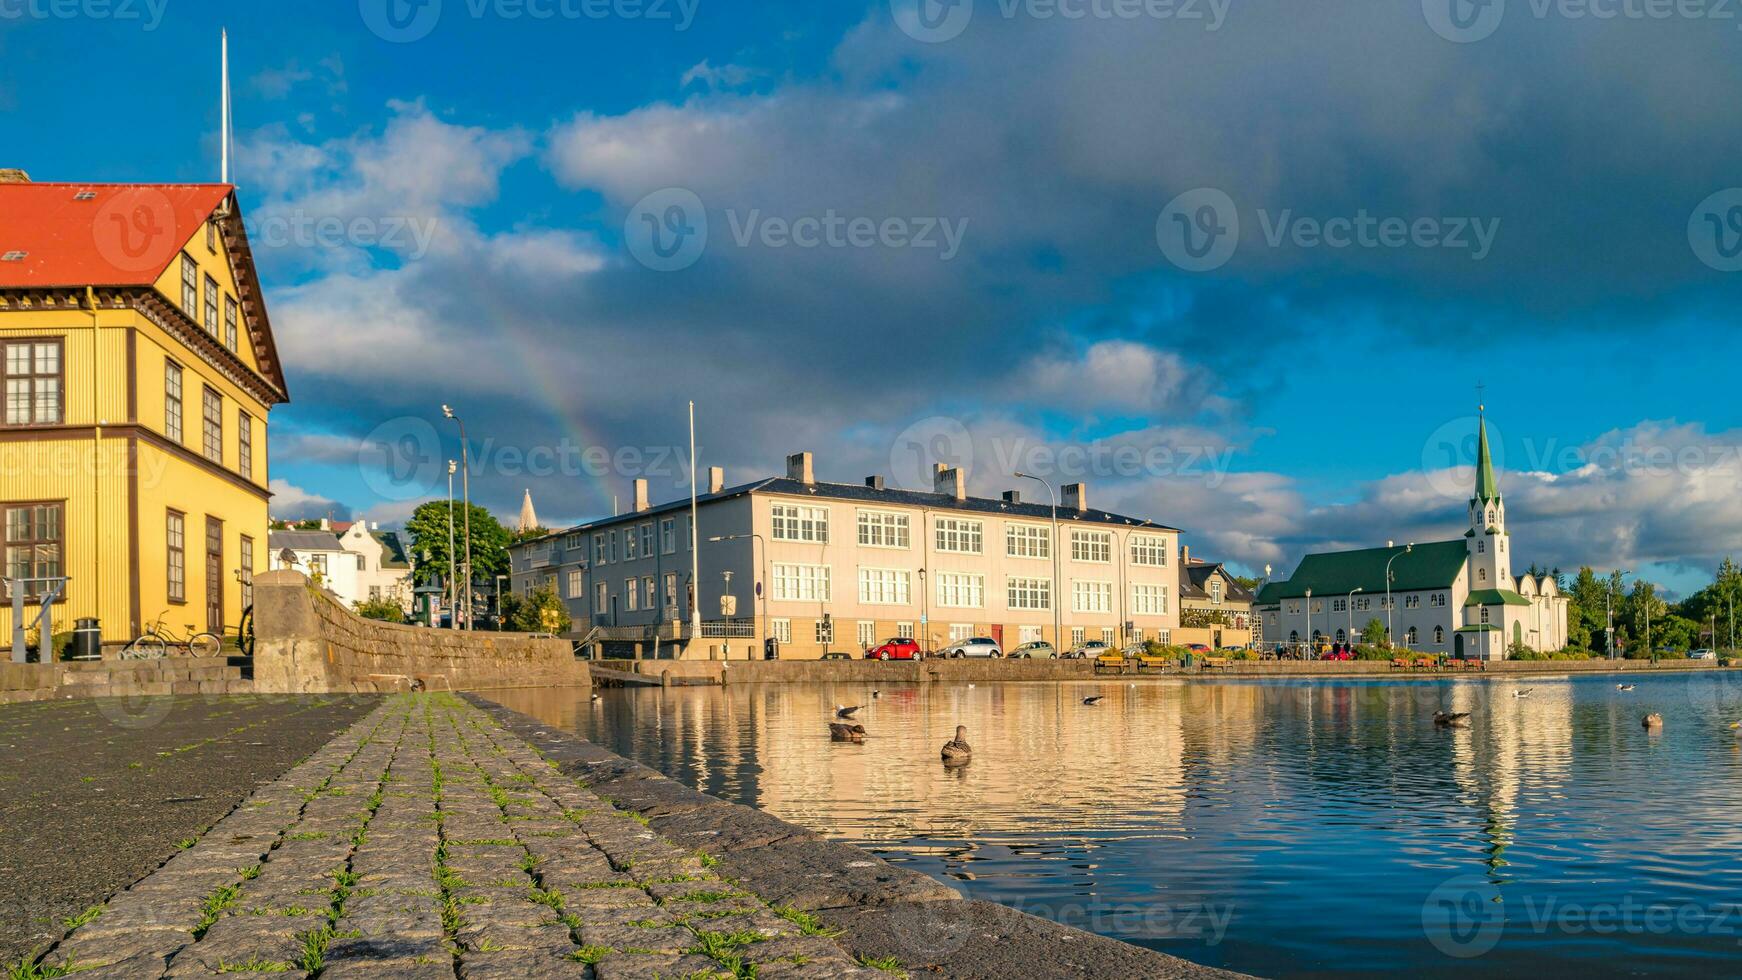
[1282,828]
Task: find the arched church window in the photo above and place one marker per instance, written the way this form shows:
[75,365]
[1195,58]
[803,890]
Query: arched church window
[1484,615]
[1481,575]
[1439,635]
[1410,637]
[1342,637]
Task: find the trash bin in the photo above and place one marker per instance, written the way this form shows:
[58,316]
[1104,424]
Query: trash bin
[87,641]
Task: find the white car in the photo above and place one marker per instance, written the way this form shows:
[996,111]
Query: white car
[1702,654]
[979,646]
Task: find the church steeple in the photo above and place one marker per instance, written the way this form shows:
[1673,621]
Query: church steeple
[528,516]
[1487,488]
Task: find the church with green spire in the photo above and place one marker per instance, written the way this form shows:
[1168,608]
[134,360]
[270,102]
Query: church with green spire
[1455,597]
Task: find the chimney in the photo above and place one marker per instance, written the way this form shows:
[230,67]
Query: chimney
[716,479]
[11,176]
[1076,496]
[640,495]
[937,470]
[801,467]
[949,480]
[1185,554]
[874,482]
[1013,496]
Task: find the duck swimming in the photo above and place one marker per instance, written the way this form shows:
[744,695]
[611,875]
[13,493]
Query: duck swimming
[1452,719]
[1624,687]
[1097,699]
[1653,720]
[957,751]
[846,733]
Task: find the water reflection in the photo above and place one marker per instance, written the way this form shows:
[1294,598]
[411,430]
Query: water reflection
[1313,820]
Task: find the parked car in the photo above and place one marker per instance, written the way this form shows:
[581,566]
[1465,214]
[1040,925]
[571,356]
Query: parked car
[1338,654]
[1201,649]
[837,655]
[979,646]
[1089,650]
[896,648]
[1038,650]
[1702,654]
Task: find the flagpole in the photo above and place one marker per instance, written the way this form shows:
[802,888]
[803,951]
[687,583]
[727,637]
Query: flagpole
[224,112]
[695,541]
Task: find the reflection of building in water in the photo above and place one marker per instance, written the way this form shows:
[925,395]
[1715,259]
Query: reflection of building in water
[1516,749]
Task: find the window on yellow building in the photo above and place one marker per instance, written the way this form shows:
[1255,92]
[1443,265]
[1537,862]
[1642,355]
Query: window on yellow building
[211,306]
[172,400]
[245,444]
[33,545]
[190,287]
[246,573]
[212,235]
[212,442]
[35,372]
[175,571]
[230,316]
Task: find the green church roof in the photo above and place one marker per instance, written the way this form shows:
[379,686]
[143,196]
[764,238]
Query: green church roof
[1496,597]
[1487,488]
[1434,565]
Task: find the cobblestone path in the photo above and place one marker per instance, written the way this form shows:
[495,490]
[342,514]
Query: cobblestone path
[426,842]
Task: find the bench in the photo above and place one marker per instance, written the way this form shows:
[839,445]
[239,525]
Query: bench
[1148,661]
[1399,663]
[1215,663]
[1115,662]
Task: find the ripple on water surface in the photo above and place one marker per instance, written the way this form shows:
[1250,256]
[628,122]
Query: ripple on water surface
[1280,828]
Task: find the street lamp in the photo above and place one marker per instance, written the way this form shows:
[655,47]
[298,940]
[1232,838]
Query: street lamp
[453,566]
[755,538]
[1609,611]
[499,579]
[1312,648]
[1390,616]
[1057,623]
[466,490]
[1350,608]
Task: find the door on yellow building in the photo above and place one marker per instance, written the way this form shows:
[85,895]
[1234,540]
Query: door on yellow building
[215,575]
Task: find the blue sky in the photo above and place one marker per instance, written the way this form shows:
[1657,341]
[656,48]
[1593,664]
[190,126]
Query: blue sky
[486,166]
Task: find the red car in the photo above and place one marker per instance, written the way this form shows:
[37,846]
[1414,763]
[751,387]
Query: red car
[1339,653]
[898,648]
[1201,649]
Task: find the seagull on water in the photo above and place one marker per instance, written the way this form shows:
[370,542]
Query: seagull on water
[1624,687]
[1097,699]
[842,711]
[1524,693]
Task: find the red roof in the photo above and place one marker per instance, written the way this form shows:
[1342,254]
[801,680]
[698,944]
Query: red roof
[98,234]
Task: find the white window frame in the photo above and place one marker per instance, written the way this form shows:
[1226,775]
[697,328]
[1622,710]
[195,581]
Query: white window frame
[1027,541]
[631,593]
[867,632]
[601,597]
[668,536]
[1149,549]
[1091,547]
[1028,593]
[889,529]
[825,631]
[795,582]
[959,536]
[961,590]
[781,630]
[961,631]
[796,522]
[1090,596]
[577,584]
[885,587]
[630,545]
[1148,599]
[647,540]
[599,554]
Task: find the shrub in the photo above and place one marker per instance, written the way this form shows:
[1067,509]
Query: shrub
[540,612]
[384,610]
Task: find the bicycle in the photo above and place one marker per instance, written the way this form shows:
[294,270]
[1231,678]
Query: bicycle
[155,642]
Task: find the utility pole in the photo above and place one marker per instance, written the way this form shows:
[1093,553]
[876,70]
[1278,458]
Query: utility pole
[453,566]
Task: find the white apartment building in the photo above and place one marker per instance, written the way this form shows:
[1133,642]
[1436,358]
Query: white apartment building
[355,561]
[840,567]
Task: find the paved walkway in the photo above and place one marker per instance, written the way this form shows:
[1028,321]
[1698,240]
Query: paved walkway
[95,793]
[427,841]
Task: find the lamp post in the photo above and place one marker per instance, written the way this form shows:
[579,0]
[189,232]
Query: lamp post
[453,565]
[1609,613]
[1312,648]
[1057,622]
[1390,615]
[1350,608]
[466,491]
[499,579]
[755,538]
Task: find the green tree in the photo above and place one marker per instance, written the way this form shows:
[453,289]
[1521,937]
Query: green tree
[540,612]
[385,610]
[1643,614]
[428,528]
[1373,634]
[530,534]
[1585,611]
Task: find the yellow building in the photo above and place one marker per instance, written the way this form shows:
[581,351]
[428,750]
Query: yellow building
[138,367]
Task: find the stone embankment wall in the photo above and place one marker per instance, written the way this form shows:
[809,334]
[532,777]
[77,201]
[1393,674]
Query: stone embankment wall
[120,678]
[954,671]
[306,642]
